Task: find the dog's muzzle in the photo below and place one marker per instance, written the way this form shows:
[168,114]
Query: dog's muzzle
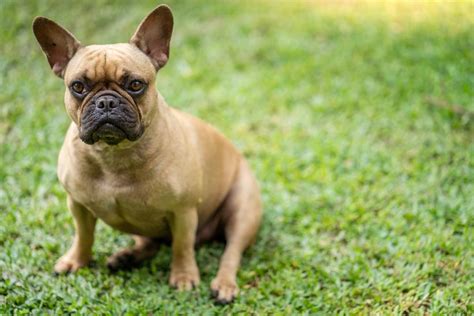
[111,118]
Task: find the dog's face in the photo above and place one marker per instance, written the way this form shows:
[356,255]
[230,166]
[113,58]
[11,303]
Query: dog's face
[110,92]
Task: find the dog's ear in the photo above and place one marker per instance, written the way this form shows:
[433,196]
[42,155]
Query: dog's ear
[153,35]
[57,43]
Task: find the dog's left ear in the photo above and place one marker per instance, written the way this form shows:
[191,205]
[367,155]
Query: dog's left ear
[58,44]
[154,34]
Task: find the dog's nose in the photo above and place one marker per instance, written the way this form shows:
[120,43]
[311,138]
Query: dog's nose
[107,102]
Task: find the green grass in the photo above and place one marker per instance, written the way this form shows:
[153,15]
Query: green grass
[368,189]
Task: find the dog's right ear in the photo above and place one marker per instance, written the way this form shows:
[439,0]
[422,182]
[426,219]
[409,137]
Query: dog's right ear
[57,43]
[153,35]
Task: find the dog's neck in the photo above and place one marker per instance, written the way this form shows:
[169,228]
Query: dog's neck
[128,156]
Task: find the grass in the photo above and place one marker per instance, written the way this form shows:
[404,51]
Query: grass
[368,188]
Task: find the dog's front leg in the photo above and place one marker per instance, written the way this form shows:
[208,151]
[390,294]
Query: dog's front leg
[184,270]
[80,252]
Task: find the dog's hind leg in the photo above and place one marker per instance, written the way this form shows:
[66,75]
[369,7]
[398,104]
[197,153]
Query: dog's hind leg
[143,249]
[242,213]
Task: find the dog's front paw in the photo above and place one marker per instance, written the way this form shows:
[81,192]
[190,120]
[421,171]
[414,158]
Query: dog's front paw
[69,263]
[184,280]
[224,290]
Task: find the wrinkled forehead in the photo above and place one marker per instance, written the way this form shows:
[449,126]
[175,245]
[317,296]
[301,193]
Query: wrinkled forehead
[109,63]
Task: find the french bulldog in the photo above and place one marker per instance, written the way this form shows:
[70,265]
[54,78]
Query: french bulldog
[142,167]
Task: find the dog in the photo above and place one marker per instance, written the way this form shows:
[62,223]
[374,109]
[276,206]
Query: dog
[142,167]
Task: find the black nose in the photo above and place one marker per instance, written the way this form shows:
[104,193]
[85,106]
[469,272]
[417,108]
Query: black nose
[107,102]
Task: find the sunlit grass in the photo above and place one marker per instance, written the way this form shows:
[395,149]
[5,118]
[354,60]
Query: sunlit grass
[367,186]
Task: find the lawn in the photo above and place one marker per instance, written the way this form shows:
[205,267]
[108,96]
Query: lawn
[356,116]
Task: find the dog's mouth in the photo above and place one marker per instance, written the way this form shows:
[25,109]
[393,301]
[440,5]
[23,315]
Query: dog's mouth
[109,133]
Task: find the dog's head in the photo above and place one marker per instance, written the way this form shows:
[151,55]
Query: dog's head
[110,92]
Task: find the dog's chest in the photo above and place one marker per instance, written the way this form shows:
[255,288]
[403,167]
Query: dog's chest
[130,206]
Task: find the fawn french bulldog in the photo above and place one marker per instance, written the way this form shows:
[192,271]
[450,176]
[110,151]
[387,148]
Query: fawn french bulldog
[143,167]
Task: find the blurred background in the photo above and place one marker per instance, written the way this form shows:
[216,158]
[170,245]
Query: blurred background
[357,117]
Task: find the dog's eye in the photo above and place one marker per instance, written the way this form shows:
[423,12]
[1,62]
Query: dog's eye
[78,87]
[136,86]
